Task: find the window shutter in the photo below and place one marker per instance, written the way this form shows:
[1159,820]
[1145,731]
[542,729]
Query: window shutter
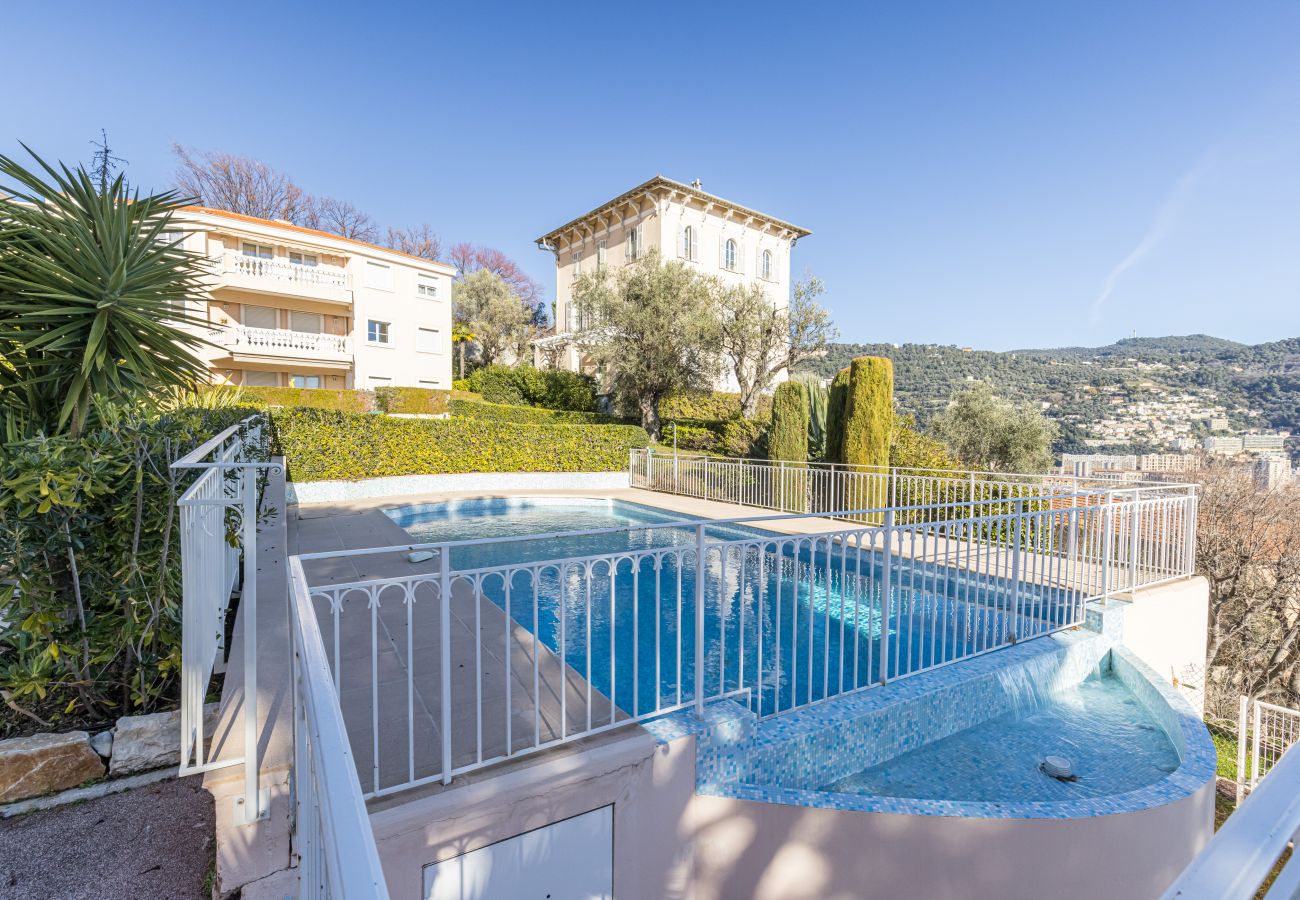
[722,252]
[681,241]
[740,257]
[640,240]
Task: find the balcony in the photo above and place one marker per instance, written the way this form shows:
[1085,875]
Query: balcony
[258,344]
[257,274]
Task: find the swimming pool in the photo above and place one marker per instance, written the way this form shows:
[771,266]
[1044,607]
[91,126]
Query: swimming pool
[787,620]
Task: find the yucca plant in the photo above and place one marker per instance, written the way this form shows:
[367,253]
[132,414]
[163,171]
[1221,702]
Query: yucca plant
[91,297]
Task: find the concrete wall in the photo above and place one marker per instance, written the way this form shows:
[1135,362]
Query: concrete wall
[488,482]
[1165,627]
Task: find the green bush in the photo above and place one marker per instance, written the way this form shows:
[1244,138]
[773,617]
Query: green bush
[461,384]
[526,386]
[837,400]
[315,398]
[869,412]
[90,602]
[788,437]
[699,438]
[743,438]
[718,406]
[526,415]
[411,400]
[323,444]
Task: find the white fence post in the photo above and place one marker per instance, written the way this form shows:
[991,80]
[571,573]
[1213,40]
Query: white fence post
[1135,539]
[1016,533]
[248,612]
[1243,713]
[885,591]
[699,620]
[444,656]
[1108,539]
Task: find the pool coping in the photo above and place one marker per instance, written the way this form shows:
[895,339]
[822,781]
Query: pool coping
[730,732]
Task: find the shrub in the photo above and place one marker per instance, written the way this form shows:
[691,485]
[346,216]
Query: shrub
[701,439]
[90,538]
[461,384]
[788,437]
[323,444]
[869,412]
[411,400]
[836,402]
[717,406]
[526,386]
[910,449]
[743,438]
[315,398]
[525,415]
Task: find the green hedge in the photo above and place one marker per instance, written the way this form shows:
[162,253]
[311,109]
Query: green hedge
[411,400]
[788,437]
[324,444]
[526,386]
[527,415]
[314,398]
[716,405]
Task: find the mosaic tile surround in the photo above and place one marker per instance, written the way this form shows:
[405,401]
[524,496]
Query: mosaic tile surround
[784,759]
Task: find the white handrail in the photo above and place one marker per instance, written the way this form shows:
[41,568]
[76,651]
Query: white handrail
[336,845]
[283,270]
[1240,855]
[276,339]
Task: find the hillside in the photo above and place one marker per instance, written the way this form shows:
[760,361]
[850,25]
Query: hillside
[1135,392]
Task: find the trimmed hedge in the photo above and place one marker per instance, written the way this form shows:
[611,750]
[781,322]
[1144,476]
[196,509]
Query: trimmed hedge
[715,406]
[788,437]
[411,400]
[314,398]
[869,412]
[526,386]
[527,415]
[324,444]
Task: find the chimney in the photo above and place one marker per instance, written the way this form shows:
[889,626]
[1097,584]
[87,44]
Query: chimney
[697,184]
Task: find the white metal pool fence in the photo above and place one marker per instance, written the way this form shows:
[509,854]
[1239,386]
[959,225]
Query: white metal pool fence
[1265,731]
[446,672]
[218,522]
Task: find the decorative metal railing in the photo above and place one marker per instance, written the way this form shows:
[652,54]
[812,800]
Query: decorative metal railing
[218,525]
[494,653]
[285,272]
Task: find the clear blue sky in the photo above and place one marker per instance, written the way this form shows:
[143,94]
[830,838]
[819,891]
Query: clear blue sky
[1000,175]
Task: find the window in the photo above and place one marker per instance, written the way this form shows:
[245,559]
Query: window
[426,286]
[428,340]
[378,380]
[600,255]
[729,255]
[577,264]
[260,251]
[377,332]
[304,381]
[765,265]
[379,276]
[261,317]
[171,236]
[688,243]
[261,379]
[633,245]
[303,259]
[428,384]
[305,321]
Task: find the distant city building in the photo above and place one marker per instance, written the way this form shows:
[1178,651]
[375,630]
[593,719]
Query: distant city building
[1269,443]
[1273,473]
[1183,444]
[1218,424]
[1226,445]
[1085,464]
[1167,462]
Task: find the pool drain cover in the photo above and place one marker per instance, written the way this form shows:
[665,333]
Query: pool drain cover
[1058,767]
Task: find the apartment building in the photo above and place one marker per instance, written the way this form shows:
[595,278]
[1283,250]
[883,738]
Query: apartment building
[1167,462]
[294,307]
[719,237]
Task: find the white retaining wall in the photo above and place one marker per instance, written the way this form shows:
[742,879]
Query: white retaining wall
[407,485]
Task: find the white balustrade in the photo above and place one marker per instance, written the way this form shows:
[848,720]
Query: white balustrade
[283,341]
[287,273]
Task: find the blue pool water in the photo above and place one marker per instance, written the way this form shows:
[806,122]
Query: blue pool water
[1110,739]
[785,622]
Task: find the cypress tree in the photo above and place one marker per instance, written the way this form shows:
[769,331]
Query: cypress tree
[835,407]
[788,438]
[869,411]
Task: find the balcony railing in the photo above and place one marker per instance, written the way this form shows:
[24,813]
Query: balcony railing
[285,342]
[286,274]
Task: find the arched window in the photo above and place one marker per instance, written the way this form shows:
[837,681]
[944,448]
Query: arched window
[688,243]
[729,256]
[767,265]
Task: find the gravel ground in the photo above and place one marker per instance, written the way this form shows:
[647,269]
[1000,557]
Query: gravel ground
[152,842]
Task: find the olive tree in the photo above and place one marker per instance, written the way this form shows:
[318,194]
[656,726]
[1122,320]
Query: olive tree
[652,325]
[759,339]
[485,304]
[985,431]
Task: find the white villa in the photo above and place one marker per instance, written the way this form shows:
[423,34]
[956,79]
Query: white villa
[295,307]
[718,236]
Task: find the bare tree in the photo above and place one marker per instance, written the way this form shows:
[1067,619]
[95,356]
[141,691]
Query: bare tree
[418,241]
[342,218]
[468,259]
[759,340]
[1248,548]
[239,184]
[103,164]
